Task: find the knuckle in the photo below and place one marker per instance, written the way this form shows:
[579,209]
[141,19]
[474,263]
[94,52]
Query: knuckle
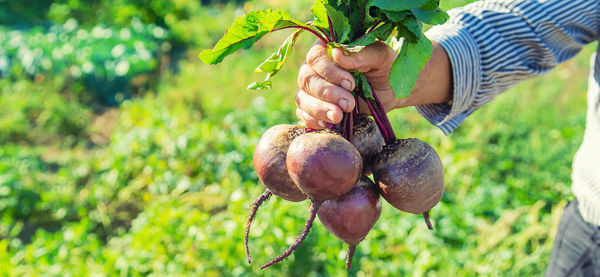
[302,74]
[312,83]
[329,74]
[314,58]
[297,97]
[327,93]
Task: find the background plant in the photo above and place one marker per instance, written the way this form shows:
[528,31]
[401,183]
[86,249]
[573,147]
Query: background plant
[161,183]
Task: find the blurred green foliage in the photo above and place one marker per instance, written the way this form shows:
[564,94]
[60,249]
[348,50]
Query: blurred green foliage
[161,184]
[105,60]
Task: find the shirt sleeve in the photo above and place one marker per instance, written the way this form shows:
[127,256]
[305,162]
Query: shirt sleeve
[493,45]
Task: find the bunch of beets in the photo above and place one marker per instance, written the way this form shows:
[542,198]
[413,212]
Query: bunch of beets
[329,167]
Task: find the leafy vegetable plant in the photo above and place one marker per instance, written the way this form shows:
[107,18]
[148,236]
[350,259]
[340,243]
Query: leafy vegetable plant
[327,167]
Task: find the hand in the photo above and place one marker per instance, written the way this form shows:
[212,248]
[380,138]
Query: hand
[326,85]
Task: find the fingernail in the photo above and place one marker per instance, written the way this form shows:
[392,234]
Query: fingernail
[344,104]
[321,123]
[346,84]
[330,115]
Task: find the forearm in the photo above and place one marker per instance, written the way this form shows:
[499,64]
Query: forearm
[493,45]
[434,84]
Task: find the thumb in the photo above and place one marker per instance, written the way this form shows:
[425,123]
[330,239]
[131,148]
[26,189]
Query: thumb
[372,57]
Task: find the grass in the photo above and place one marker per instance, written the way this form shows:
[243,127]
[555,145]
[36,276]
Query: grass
[161,185]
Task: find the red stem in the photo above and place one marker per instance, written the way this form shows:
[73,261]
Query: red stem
[343,123]
[380,124]
[331,32]
[356,107]
[350,126]
[386,120]
[374,27]
[322,38]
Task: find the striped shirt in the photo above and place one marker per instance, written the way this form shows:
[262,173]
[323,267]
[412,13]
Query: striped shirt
[493,45]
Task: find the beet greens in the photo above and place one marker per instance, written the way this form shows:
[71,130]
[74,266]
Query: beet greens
[333,168]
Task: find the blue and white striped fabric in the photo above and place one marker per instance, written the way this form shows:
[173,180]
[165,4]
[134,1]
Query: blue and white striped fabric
[493,45]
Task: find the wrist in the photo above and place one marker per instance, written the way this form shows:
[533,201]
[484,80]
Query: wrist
[434,84]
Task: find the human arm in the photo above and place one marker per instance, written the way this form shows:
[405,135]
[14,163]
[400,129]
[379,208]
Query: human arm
[325,84]
[493,45]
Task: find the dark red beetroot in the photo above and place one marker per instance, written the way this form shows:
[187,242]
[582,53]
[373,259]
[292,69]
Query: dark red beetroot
[368,141]
[323,165]
[270,161]
[410,176]
[270,166]
[351,216]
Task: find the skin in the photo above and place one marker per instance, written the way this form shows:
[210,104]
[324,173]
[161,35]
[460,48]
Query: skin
[410,175]
[325,84]
[351,216]
[323,166]
[269,161]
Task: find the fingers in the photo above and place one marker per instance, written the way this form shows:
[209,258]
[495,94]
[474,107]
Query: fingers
[318,59]
[310,121]
[316,113]
[372,57]
[325,85]
[315,85]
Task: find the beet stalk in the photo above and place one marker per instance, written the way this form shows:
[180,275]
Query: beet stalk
[368,141]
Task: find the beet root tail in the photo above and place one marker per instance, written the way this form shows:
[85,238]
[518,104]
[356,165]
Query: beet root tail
[257,203]
[427,221]
[349,256]
[313,212]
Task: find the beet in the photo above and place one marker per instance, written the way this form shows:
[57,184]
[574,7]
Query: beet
[351,216]
[270,161]
[269,164]
[368,141]
[410,176]
[323,165]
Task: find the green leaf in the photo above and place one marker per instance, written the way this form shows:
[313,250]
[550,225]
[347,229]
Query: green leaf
[260,85]
[431,5]
[246,30]
[409,29]
[398,5]
[406,68]
[396,16]
[340,24]
[382,33]
[273,64]
[405,33]
[359,18]
[437,16]
[367,92]
[320,14]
